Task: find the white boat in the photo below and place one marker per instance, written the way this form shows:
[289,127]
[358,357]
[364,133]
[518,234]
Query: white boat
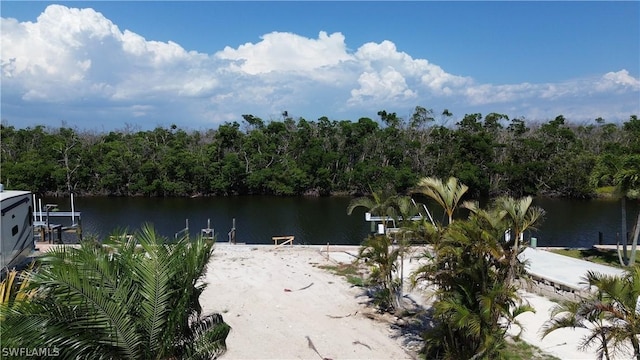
[16,241]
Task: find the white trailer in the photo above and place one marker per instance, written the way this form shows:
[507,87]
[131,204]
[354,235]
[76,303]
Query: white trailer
[16,241]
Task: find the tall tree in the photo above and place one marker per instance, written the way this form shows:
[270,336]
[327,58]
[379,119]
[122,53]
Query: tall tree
[520,216]
[627,181]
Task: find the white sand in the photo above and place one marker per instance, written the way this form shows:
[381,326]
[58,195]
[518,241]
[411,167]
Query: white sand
[249,285]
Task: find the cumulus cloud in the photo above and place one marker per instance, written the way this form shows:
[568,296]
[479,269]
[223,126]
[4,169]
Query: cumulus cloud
[287,52]
[77,59]
[617,81]
[383,86]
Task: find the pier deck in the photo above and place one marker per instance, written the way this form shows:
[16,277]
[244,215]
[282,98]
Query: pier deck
[562,270]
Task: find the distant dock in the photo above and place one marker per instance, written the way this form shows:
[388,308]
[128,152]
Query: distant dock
[47,218]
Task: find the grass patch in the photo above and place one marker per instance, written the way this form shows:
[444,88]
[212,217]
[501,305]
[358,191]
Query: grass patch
[606,191]
[350,271]
[604,257]
[521,350]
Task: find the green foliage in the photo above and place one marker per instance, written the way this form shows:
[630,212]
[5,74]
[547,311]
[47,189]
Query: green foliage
[378,252]
[447,195]
[610,314]
[475,299]
[493,155]
[350,271]
[521,350]
[604,257]
[135,298]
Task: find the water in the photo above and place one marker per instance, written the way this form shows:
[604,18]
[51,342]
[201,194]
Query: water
[576,223]
[312,220]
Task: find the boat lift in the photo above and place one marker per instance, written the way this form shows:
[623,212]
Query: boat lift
[45,230]
[382,220]
[207,233]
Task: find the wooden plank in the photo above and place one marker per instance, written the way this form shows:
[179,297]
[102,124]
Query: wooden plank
[287,240]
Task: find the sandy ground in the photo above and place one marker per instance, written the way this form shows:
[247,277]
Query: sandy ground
[282,305]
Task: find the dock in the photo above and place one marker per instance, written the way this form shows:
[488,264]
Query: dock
[48,231]
[561,274]
[43,217]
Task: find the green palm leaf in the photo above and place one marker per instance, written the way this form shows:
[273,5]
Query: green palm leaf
[137,298]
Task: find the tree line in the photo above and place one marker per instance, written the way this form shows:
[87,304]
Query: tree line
[493,154]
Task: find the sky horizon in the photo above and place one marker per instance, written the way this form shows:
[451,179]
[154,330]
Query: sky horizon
[101,65]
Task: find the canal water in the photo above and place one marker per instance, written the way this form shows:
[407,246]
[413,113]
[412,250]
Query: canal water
[320,220]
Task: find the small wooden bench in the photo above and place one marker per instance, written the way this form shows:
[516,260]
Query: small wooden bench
[285,240]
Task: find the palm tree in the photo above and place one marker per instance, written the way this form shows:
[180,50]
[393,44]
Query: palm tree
[380,254]
[379,250]
[13,291]
[135,298]
[611,313]
[379,204]
[519,216]
[474,304]
[448,194]
[515,216]
[627,180]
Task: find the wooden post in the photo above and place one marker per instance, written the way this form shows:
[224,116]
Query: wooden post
[233,235]
[232,232]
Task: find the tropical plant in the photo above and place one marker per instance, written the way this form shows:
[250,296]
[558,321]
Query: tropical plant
[13,290]
[135,298]
[519,216]
[380,203]
[627,180]
[611,313]
[383,251]
[474,304]
[448,194]
[381,256]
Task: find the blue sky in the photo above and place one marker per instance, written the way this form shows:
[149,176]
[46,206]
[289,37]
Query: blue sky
[108,65]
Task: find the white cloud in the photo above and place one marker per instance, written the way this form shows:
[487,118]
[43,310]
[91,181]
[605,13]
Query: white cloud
[70,54]
[617,81]
[379,57]
[383,86]
[71,57]
[286,52]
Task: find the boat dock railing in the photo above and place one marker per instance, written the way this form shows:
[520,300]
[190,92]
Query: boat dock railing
[43,227]
[46,228]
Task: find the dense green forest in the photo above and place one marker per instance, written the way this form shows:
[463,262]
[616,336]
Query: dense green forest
[493,155]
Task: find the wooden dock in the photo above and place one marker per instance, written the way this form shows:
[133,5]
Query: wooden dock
[48,231]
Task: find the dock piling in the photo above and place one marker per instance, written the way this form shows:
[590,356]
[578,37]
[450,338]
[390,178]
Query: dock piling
[232,232]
